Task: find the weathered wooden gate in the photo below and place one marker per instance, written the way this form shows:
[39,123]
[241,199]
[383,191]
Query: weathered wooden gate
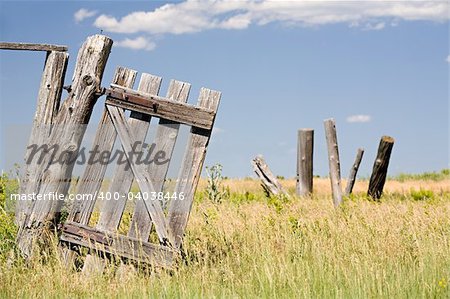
[73,115]
[172,111]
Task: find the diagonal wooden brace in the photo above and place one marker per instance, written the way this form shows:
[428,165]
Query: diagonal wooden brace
[154,209]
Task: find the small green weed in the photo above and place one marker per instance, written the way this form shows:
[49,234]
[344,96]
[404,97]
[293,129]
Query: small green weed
[422,194]
[214,190]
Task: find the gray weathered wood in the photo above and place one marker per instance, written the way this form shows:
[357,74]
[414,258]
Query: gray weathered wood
[93,175]
[142,177]
[72,117]
[354,171]
[380,167]
[48,100]
[32,47]
[111,211]
[333,160]
[161,107]
[166,136]
[91,180]
[123,246]
[190,171]
[269,181]
[305,148]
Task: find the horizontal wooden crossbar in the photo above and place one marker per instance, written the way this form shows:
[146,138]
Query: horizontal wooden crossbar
[127,247]
[32,47]
[160,107]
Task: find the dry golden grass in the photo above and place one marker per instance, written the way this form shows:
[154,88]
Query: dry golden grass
[322,186]
[251,247]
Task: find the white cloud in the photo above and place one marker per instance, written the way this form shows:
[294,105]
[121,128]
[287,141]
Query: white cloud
[236,22]
[377,26]
[139,43]
[199,15]
[217,131]
[83,13]
[448,59]
[360,118]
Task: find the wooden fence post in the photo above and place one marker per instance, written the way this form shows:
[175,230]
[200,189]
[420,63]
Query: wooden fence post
[380,167]
[67,134]
[333,160]
[354,171]
[49,97]
[269,182]
[305,148]
[92,177]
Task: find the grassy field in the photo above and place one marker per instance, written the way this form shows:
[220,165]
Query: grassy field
[250,246]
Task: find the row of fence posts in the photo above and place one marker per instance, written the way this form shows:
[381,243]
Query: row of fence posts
[305,164]
[305,159]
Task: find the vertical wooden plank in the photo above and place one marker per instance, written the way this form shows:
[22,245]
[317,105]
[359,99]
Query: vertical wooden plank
[190,171]
[70,122]
[269,181]
[305,148]
[111,211]
[164,142]
[354,171]
[380,167]
[48,100]
[91,180]
[139,170]
[333,160]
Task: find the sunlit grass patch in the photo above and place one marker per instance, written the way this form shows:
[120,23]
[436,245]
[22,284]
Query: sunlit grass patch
[248,245]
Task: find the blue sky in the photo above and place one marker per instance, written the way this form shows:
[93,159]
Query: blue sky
[377,67]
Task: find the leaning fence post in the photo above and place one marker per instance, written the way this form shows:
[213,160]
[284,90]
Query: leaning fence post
[305,148]
[380,167]
[269,182]
[67,134]
[354,171]
[333,160]
[49,96]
